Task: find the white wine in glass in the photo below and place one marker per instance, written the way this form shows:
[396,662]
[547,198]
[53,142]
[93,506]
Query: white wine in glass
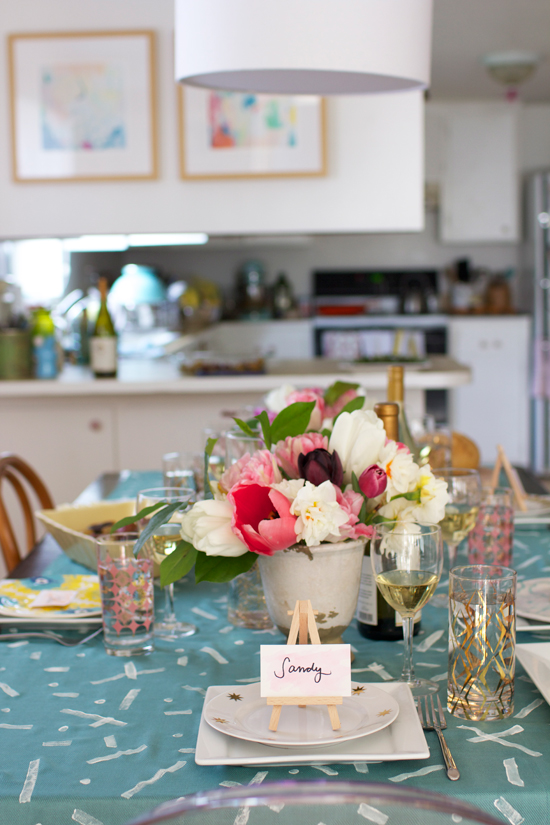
[163,542]
[464,490]
[407,559]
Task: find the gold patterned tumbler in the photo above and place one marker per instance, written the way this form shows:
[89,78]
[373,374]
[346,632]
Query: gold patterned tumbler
[482,642]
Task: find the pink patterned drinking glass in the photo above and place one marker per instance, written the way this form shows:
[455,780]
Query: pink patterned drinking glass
[126,585]
[491,540]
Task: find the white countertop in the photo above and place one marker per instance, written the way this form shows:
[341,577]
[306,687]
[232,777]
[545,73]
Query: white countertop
[162,377]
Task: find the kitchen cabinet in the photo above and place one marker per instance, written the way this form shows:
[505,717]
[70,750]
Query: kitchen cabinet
[477,149]
[494,408]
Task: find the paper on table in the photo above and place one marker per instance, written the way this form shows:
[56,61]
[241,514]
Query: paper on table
[535,658]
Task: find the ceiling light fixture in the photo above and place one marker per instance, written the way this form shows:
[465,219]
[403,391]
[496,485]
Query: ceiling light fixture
[304,46]
[511,69]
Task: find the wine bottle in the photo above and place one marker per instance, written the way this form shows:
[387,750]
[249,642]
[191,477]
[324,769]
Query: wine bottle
[376,619]
[396,394]
[103,342]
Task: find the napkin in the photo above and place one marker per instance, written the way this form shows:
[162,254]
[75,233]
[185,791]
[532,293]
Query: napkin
[535,658]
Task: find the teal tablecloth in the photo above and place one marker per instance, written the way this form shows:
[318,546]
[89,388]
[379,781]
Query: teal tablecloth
[109,738]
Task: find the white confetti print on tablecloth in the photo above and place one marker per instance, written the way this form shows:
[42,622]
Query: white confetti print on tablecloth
[496,737]
[159,774]
[98,720]
[36,654]
[67,695]
[30,781]
[17,644]
[64,744]
[177,712]
[372,814]
[215,655]
[116,755]
[422,772]
[9,691]
[244,812]
[429,641]
[528,709]
[128,699]
[325,769]
[196,689]
[227,629]
[57,669]
[198,612]
[84,819]
[512,772]
[528,562]
[183,661]
[508,811]
[15,727]
[361,767]
[130,670]
[110,741]
[186,750]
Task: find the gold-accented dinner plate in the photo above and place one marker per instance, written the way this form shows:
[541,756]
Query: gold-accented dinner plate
[241,712]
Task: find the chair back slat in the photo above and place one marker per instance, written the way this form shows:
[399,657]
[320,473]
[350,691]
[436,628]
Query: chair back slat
[23,480]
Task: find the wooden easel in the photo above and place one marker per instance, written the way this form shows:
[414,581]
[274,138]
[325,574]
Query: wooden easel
[504,462]
[303,623]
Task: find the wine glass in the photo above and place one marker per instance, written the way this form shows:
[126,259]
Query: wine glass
[161,544]
[464,489]
[407,559]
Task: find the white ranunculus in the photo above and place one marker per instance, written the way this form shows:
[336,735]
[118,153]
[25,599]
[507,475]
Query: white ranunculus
[319,514]
[289,487]
[433,498]
[400,469]
[275,401]
[358,438]
[207,526]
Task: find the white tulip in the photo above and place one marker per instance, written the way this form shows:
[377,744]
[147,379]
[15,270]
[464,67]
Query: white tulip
[358,438]
[275,401]
[207,526]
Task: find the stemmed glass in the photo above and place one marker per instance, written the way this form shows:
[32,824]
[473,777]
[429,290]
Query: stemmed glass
[407,559]
[464,489]
[161,544]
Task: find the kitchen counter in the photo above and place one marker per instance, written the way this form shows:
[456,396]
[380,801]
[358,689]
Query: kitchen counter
[162,377]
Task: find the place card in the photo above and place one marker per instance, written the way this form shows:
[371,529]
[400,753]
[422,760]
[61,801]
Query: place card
[305,670]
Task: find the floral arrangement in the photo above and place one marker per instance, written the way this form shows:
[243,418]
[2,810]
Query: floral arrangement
[327,474]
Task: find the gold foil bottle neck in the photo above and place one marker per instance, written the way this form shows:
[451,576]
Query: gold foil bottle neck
[395,384]
[388,413]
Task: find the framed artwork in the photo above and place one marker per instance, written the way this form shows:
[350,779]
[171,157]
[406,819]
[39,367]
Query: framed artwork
[83,106]
[237,134]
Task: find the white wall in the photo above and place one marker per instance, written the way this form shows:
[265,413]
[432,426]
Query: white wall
[375,157]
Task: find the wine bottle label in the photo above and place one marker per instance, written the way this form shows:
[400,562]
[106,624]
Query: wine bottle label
[367,610]
[103,354]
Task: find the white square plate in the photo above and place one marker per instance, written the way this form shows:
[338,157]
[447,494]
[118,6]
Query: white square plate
[404,739]
[535,658]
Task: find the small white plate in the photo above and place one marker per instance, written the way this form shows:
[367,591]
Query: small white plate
[535,658]
[241,712]
[533,599]
[537,507]
[404,739]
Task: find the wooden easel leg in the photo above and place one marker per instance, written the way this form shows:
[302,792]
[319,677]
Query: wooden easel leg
[275,716]
[334,718]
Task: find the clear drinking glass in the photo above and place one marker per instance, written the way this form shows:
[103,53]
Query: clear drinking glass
[184,469]
[434,443]
[126,586]
[407,559]
[482,641]
[161,544]
[237,444]
[464,489]
[491,540]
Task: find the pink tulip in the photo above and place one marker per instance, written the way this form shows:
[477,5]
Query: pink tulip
[262,518]
[373,481]
[288,451]
[351,504]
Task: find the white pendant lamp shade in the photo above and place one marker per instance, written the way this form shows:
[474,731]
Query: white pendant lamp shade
[304,46]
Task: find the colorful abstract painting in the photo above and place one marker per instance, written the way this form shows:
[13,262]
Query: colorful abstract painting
[249,120]
[82,107]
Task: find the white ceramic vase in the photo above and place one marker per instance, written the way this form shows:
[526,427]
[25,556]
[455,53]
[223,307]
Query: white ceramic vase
[327,574]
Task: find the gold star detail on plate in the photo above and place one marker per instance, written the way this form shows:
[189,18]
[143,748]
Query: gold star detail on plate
[383,713]
[236,697]
[224,721]
[359,689]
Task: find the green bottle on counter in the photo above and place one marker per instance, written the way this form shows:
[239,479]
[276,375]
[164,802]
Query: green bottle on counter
[103,342]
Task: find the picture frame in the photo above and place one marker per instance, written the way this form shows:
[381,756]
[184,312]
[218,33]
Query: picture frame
[83,106]
[244,135]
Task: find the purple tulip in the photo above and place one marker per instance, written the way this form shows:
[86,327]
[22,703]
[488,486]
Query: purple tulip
[319,465]
[373,481]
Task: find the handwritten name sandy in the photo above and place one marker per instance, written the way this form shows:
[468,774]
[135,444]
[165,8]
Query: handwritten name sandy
[305,670]
[287,667]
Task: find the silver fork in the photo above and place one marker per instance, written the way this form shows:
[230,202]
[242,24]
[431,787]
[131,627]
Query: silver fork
[432,723]
[49,634]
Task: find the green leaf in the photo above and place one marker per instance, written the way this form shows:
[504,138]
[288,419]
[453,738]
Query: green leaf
[161,517]
[246,428]
[354,404]
[222,568]
[177,563]
[263,418]
[337,389]
[326,433]
[363,513]
[414,496]
[291,421]
[355,485]
[210,444]
[124,522]
[208,450]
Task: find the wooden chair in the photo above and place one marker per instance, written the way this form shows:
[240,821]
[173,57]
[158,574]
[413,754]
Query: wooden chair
[23,479]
